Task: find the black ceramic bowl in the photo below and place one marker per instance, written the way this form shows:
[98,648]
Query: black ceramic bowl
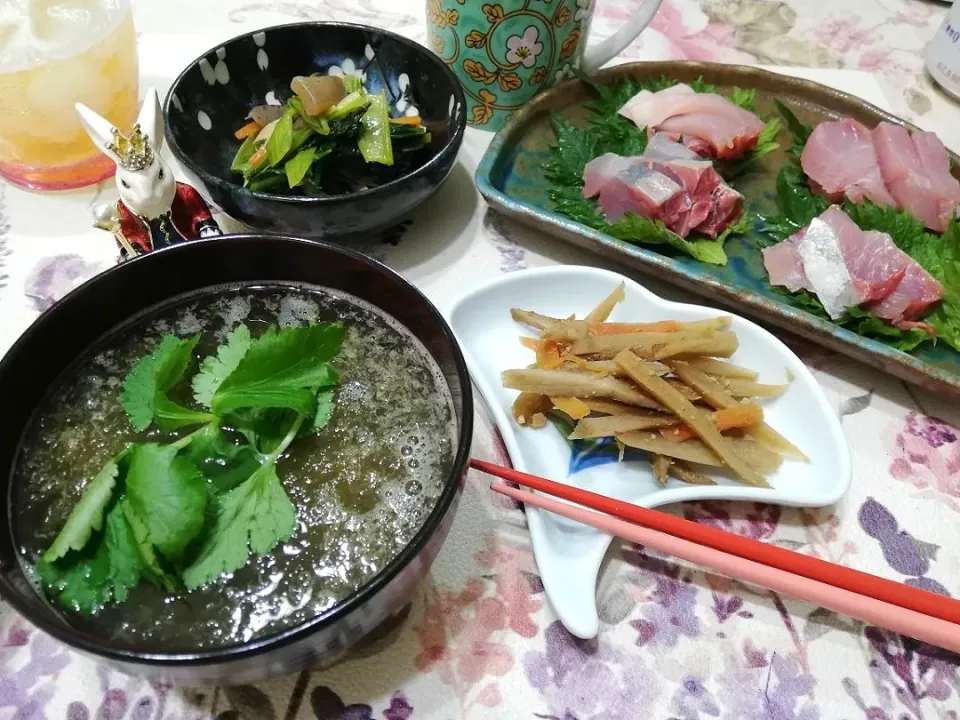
[63,334]
[211,98]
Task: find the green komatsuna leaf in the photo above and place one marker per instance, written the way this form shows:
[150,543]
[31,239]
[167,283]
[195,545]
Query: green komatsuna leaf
[280,368]
[255,516]
[215,368]
[144,389]
[86,517]
[297,166]
[243,155]
[169,494]
[281,139]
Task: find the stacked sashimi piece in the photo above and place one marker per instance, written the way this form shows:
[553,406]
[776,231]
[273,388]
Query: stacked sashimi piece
[669,182]
[707,123]
[887,165]
[848,267]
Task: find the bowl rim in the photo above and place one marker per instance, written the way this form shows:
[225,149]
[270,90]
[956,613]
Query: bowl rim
[96,646]
[453,143]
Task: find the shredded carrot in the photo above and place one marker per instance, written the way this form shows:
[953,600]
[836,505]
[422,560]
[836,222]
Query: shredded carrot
[413,120]
[258,156]
[619,328]
[737,416]
[247,130]
[529,342]
[548,355]
[575,408]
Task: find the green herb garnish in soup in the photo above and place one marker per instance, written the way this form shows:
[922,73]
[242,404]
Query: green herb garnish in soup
[231,467]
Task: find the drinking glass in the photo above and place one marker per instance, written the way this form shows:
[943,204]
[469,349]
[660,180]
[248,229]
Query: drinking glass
[53,54]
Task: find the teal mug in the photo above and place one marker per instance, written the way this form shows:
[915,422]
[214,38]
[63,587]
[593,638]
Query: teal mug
[506,51]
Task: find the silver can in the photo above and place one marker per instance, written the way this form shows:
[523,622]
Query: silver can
[943,53]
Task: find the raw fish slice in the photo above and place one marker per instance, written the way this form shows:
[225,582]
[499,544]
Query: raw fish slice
[698,180]
[784,264]
[839,159]
[936,163]
[726,210]
[917,291]
[643,105]
[599,171]
[664,146]
[905,176]
[651,111]
[729,137]
[874,263]
[823,264]
[643,191]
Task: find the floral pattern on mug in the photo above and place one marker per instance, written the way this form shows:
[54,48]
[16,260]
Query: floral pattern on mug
[524,49]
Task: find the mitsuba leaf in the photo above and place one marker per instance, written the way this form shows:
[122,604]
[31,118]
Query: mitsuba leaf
[325,405]
[222,463]
[150,564]
[280,368]
[215,368]
[169,494]
[86,517]
[144,394]
[257,515]
[106,569]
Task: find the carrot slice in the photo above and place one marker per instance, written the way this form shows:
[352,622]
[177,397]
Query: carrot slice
[576,409]
[247,130]
[258,157]
[529,342]
[737,416]
[548,355]
[413,120]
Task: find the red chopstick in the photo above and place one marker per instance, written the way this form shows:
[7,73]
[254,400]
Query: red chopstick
[889,591]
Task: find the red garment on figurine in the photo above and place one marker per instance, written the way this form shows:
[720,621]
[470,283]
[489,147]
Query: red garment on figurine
[188,217]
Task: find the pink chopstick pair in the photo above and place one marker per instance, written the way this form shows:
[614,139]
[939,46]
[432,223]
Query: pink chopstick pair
[822,591]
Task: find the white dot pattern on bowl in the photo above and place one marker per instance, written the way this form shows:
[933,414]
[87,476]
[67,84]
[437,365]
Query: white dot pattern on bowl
[204,120]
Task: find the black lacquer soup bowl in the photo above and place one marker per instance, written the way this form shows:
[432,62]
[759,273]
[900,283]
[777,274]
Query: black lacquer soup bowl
[48,351]
[213,95]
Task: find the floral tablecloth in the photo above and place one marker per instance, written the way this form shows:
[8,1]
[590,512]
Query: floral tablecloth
[480,641]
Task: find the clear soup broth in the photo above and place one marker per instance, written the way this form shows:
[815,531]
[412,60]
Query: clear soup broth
[362,487]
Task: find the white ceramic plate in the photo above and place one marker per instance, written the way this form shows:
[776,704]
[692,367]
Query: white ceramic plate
[569,554]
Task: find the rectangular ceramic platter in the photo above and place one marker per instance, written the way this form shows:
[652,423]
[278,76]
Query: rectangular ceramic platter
[511,179]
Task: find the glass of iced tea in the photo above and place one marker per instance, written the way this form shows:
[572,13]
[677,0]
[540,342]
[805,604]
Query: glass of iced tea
[54,53]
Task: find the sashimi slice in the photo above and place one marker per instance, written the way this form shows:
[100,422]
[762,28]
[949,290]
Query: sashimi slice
[905,176]
[652,110]
[726,209]
[936,163]
[784,264]
[839,159]
[664,146]
[643,106]
[643,191]
[916,292]
[823,264]
[698,179]
[874,263]
[729,137]
[599,171]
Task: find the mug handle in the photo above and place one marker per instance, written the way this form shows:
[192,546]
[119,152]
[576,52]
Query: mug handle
[594,58]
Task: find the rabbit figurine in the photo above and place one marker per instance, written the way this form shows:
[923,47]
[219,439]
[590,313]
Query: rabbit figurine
[154,209]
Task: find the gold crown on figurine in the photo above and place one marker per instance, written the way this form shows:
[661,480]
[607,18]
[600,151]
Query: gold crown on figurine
[133,150]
